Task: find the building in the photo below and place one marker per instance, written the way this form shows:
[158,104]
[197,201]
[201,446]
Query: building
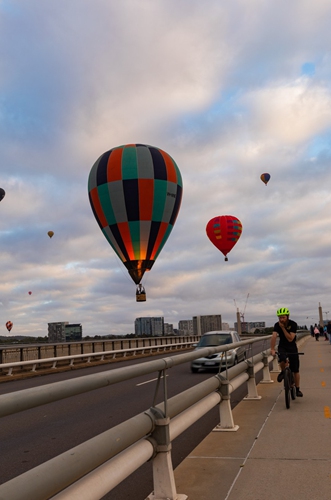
[149,326]
[225,326]
[203,324]
[185,327]
[74,332]
[57,331]
[169,329]
[62,331]
[250,326]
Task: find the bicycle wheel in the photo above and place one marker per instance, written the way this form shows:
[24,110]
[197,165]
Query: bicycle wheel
[293,388]
[287,388]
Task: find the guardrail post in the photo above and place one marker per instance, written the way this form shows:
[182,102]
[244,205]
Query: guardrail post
[226,419]
[275,366]
[163,473]
[266,373]
[251,383]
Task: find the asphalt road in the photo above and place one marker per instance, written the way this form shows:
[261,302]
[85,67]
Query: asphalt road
[34,436]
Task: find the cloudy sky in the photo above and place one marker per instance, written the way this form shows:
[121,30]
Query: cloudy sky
[230,90]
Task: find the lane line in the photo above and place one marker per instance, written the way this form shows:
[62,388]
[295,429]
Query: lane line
[323,384]
[327,412]
[148,381]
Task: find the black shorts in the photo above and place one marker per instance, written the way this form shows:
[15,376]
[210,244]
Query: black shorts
[293,358]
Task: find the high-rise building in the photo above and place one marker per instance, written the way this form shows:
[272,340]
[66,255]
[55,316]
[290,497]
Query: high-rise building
[250,326]
[203,324]
[168,329]
[185,327]
[63,331]
[57,331]
[150,326]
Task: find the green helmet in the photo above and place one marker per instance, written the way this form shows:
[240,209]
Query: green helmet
[283,311]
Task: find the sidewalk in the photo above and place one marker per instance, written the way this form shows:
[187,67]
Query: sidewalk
[276,453]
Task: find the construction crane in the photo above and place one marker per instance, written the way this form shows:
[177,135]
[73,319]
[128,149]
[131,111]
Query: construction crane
[241,314]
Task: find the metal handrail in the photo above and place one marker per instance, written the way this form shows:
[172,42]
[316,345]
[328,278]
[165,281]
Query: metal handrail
[89,356]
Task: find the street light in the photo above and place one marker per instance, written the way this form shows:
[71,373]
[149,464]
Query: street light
[326,314]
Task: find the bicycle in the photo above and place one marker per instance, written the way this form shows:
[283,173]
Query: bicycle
[289,383]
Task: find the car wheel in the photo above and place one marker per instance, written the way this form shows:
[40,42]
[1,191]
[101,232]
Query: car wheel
[194,370]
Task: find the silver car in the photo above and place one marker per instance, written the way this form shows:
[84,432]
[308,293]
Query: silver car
[217,360]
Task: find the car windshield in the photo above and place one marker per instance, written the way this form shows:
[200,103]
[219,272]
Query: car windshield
[215,340]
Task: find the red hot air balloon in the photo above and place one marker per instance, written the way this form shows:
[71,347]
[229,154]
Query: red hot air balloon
[265,178]
[135,193]
[224,231]
[29,293]
[9,325]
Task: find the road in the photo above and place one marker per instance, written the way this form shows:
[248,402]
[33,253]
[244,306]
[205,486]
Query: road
[34,436]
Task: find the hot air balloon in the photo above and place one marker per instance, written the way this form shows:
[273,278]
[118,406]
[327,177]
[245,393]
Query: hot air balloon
[9,325]
[50,234]
[224,231]
[265,178]
[29,293]
[135,193]
[2,194]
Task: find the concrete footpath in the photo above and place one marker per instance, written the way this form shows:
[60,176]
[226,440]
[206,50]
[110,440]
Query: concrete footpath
[276,453]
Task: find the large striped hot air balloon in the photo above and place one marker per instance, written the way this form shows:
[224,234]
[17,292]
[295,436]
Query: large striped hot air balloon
[224,231]
[135,193]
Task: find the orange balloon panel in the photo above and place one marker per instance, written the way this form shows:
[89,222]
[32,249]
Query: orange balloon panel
[224,231]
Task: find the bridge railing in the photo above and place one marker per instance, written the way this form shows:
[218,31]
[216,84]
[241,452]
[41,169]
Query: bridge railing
[92,469]
[91,356]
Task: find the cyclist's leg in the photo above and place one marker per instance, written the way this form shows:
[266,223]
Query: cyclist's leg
[297,379]
[282,364]
[295,365]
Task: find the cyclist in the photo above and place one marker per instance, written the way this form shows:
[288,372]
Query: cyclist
[286,329]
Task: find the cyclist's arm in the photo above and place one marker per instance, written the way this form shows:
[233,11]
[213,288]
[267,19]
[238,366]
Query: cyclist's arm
[273,343]
[290,336]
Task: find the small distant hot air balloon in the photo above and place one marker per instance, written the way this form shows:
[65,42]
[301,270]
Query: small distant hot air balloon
[29,293]
[9,325]
[135,193]
[265,178]
[50,234]
[2,194]
[224,231]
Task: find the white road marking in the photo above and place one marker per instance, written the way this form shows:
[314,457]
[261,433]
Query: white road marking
[148,381]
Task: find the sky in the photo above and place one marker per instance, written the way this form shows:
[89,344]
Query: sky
[229,90]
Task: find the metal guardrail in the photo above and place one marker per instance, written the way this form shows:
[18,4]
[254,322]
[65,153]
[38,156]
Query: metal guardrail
[8,367]
[95,467]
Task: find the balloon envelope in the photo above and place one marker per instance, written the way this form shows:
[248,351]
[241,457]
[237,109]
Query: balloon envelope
[135,192]
[265,178]
[9,325]
[2,194]
[30,293]
[224,231]
[50,234]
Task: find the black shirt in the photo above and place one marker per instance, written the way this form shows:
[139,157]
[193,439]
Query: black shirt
[284,344]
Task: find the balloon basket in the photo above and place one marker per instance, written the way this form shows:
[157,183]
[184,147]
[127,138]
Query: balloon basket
[140,294]
[141,297]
